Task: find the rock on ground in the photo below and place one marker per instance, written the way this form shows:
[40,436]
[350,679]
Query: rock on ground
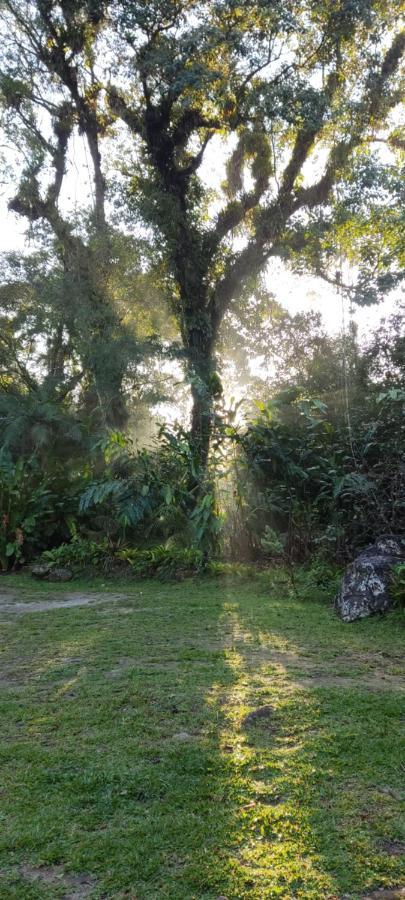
[41,570]
[366,582]
[51,573]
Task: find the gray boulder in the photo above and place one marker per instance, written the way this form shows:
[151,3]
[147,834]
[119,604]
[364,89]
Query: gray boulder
[41,570]
[59,573]
[47,572]
[365,587]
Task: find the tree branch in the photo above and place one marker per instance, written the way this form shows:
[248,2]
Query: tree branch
[271,222]
[196,161]
[120,108]
[375,102]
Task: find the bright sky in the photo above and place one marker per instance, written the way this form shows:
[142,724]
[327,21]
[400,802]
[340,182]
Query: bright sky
[299,293]
[294,292]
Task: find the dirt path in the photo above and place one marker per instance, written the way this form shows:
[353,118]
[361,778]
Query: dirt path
[9,604]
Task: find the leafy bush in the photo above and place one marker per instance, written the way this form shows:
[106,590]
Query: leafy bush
[272,543]
[398,585]
[41,471]
[164,562]
[315,485]
[29,511]
[80,554]
[231,570]
[318,581]
[154,494]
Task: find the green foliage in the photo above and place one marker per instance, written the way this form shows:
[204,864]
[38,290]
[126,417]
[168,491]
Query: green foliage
[398,584]
[81,553]
[184,75]
[166,563]
[318,581]
[231,570]
[156,494]
[29,511]
[45,461]
[271,542]
[317,485]
[163,562]
[80,312]
[33,425]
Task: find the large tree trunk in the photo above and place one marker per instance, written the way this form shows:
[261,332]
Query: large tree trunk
[201,371]
[201,422]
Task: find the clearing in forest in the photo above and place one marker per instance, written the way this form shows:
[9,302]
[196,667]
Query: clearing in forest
[208,739]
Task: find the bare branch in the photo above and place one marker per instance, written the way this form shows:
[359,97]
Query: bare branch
[195,163]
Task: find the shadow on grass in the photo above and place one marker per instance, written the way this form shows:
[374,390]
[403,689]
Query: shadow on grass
[126,753]
[322,764]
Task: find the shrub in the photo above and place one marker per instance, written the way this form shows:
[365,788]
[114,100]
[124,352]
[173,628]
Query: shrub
[164,562]
[398,585]
[319,486]
[81,554]
[318,581]
[155,495]
[232,570]
[29,511]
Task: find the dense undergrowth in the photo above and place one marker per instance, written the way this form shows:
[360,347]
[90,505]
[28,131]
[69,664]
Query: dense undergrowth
[305,479]
[301,486]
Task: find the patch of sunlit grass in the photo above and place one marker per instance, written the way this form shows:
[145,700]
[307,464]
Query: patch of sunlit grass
[128,753]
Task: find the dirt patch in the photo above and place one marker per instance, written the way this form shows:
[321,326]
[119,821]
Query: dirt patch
[183,736]
[386,894]
[356,682]
[270,799]
[128,610]
[285,658]
[257,716]
[7,682]
[132,662]
[75,887]
[8,603]
[6,597]
[393,848]
[390,792]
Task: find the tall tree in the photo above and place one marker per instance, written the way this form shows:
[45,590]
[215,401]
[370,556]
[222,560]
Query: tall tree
[49,92]
[288,93]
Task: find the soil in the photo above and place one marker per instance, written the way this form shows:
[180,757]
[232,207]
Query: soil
[9,603]
[78,887]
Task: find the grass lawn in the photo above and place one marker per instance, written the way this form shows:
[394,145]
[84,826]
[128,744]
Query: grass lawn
[131,766]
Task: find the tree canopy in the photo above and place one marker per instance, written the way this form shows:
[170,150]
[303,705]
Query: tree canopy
[296,100]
